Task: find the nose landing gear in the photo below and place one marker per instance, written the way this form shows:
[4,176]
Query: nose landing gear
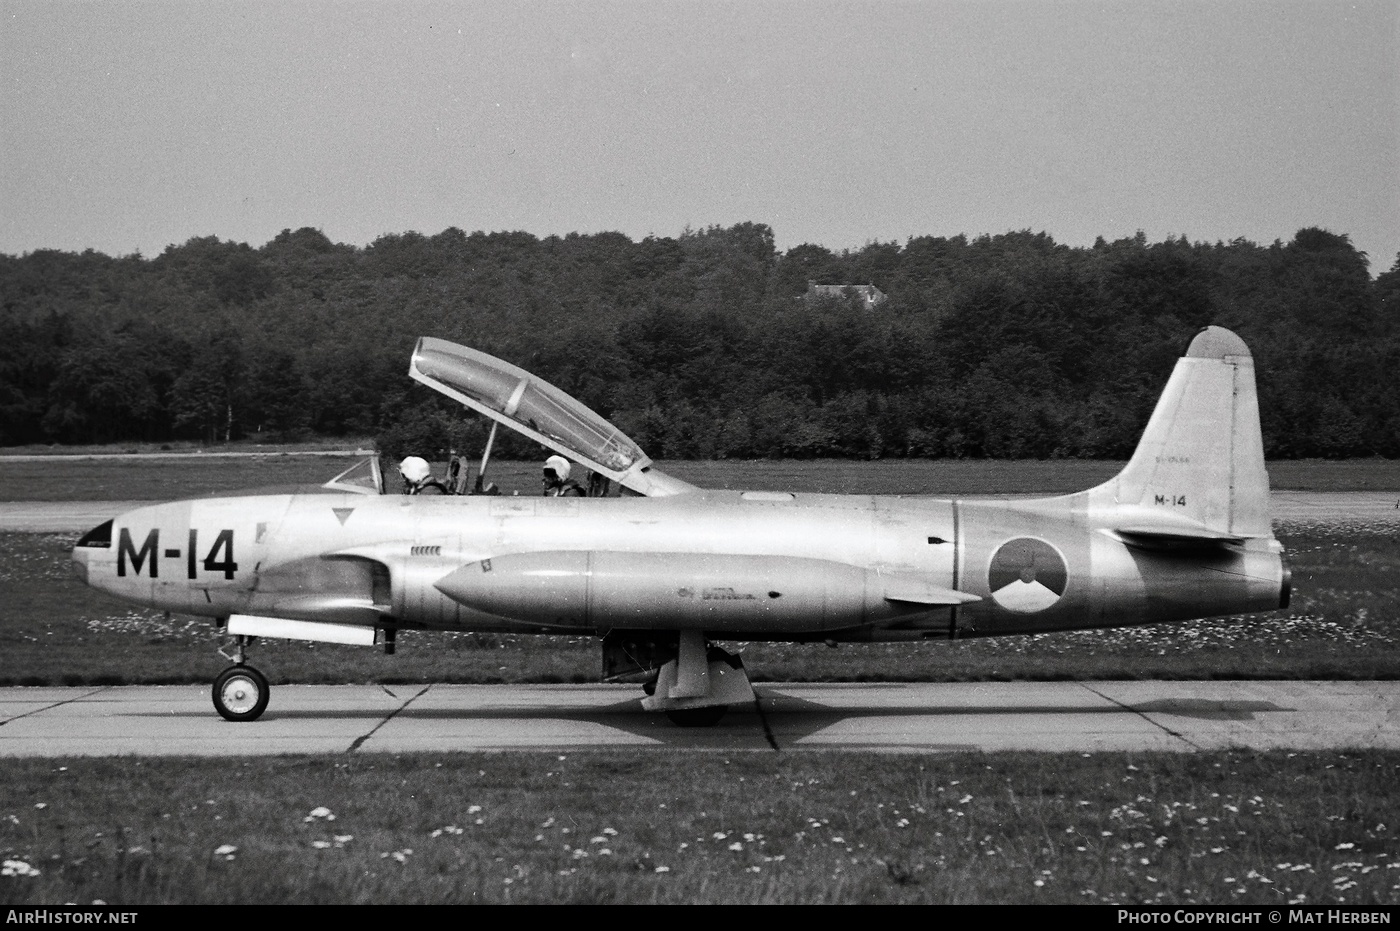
[240,692]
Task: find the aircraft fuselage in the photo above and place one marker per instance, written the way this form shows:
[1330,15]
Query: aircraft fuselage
[746,566]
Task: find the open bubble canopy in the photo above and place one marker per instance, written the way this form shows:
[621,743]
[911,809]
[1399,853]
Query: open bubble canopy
[535,408]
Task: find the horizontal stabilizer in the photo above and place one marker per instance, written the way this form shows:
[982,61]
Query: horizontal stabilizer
[1159,538]
[917,591]
[1151,528]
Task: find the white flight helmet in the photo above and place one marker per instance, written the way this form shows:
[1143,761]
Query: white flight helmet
[415,469]
[559,466]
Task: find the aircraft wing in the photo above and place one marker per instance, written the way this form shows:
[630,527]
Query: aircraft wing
[534,408]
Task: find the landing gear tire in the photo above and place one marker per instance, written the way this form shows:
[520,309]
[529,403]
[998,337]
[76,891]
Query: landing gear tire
[697,717]
[240,693]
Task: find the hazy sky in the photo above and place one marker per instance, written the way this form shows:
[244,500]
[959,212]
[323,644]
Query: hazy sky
[133,125]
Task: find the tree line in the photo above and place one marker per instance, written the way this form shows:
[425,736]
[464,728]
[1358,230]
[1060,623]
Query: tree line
[705,345]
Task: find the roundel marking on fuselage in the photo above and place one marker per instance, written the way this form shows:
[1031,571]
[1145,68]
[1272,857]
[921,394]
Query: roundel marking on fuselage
[1027,575]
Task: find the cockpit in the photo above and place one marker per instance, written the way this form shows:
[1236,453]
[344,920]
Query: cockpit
[532,407]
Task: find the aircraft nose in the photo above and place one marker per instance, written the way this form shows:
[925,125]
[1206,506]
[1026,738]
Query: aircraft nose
[97,539]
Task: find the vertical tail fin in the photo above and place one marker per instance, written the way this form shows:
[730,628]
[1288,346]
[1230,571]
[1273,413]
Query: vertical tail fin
[1199,467]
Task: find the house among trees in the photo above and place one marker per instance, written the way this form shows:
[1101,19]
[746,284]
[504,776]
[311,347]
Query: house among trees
[869,295]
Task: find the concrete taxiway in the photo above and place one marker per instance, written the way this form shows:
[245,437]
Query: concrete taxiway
[896,717]
[60,516]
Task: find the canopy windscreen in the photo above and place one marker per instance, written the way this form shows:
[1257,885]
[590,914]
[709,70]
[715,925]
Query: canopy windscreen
[516,395]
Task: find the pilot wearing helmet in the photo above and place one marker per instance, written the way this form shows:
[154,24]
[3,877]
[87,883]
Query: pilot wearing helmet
[557,483]
[418,478]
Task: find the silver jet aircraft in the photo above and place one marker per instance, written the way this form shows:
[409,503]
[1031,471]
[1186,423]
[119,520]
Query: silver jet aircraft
[665,570]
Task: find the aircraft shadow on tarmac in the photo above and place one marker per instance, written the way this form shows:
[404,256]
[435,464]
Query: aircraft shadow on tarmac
[775,716]
[1207,709]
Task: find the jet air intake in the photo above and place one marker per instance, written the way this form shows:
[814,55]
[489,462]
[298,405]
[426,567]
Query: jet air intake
[694,591]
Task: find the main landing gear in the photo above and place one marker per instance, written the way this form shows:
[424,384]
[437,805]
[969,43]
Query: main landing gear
[240,692]
[698,686]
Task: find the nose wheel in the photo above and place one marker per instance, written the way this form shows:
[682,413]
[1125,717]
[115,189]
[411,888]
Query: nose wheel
[240,693]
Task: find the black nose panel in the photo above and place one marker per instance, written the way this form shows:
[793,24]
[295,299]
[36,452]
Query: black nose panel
[99,537]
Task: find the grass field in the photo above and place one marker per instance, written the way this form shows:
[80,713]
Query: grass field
[1270,829]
